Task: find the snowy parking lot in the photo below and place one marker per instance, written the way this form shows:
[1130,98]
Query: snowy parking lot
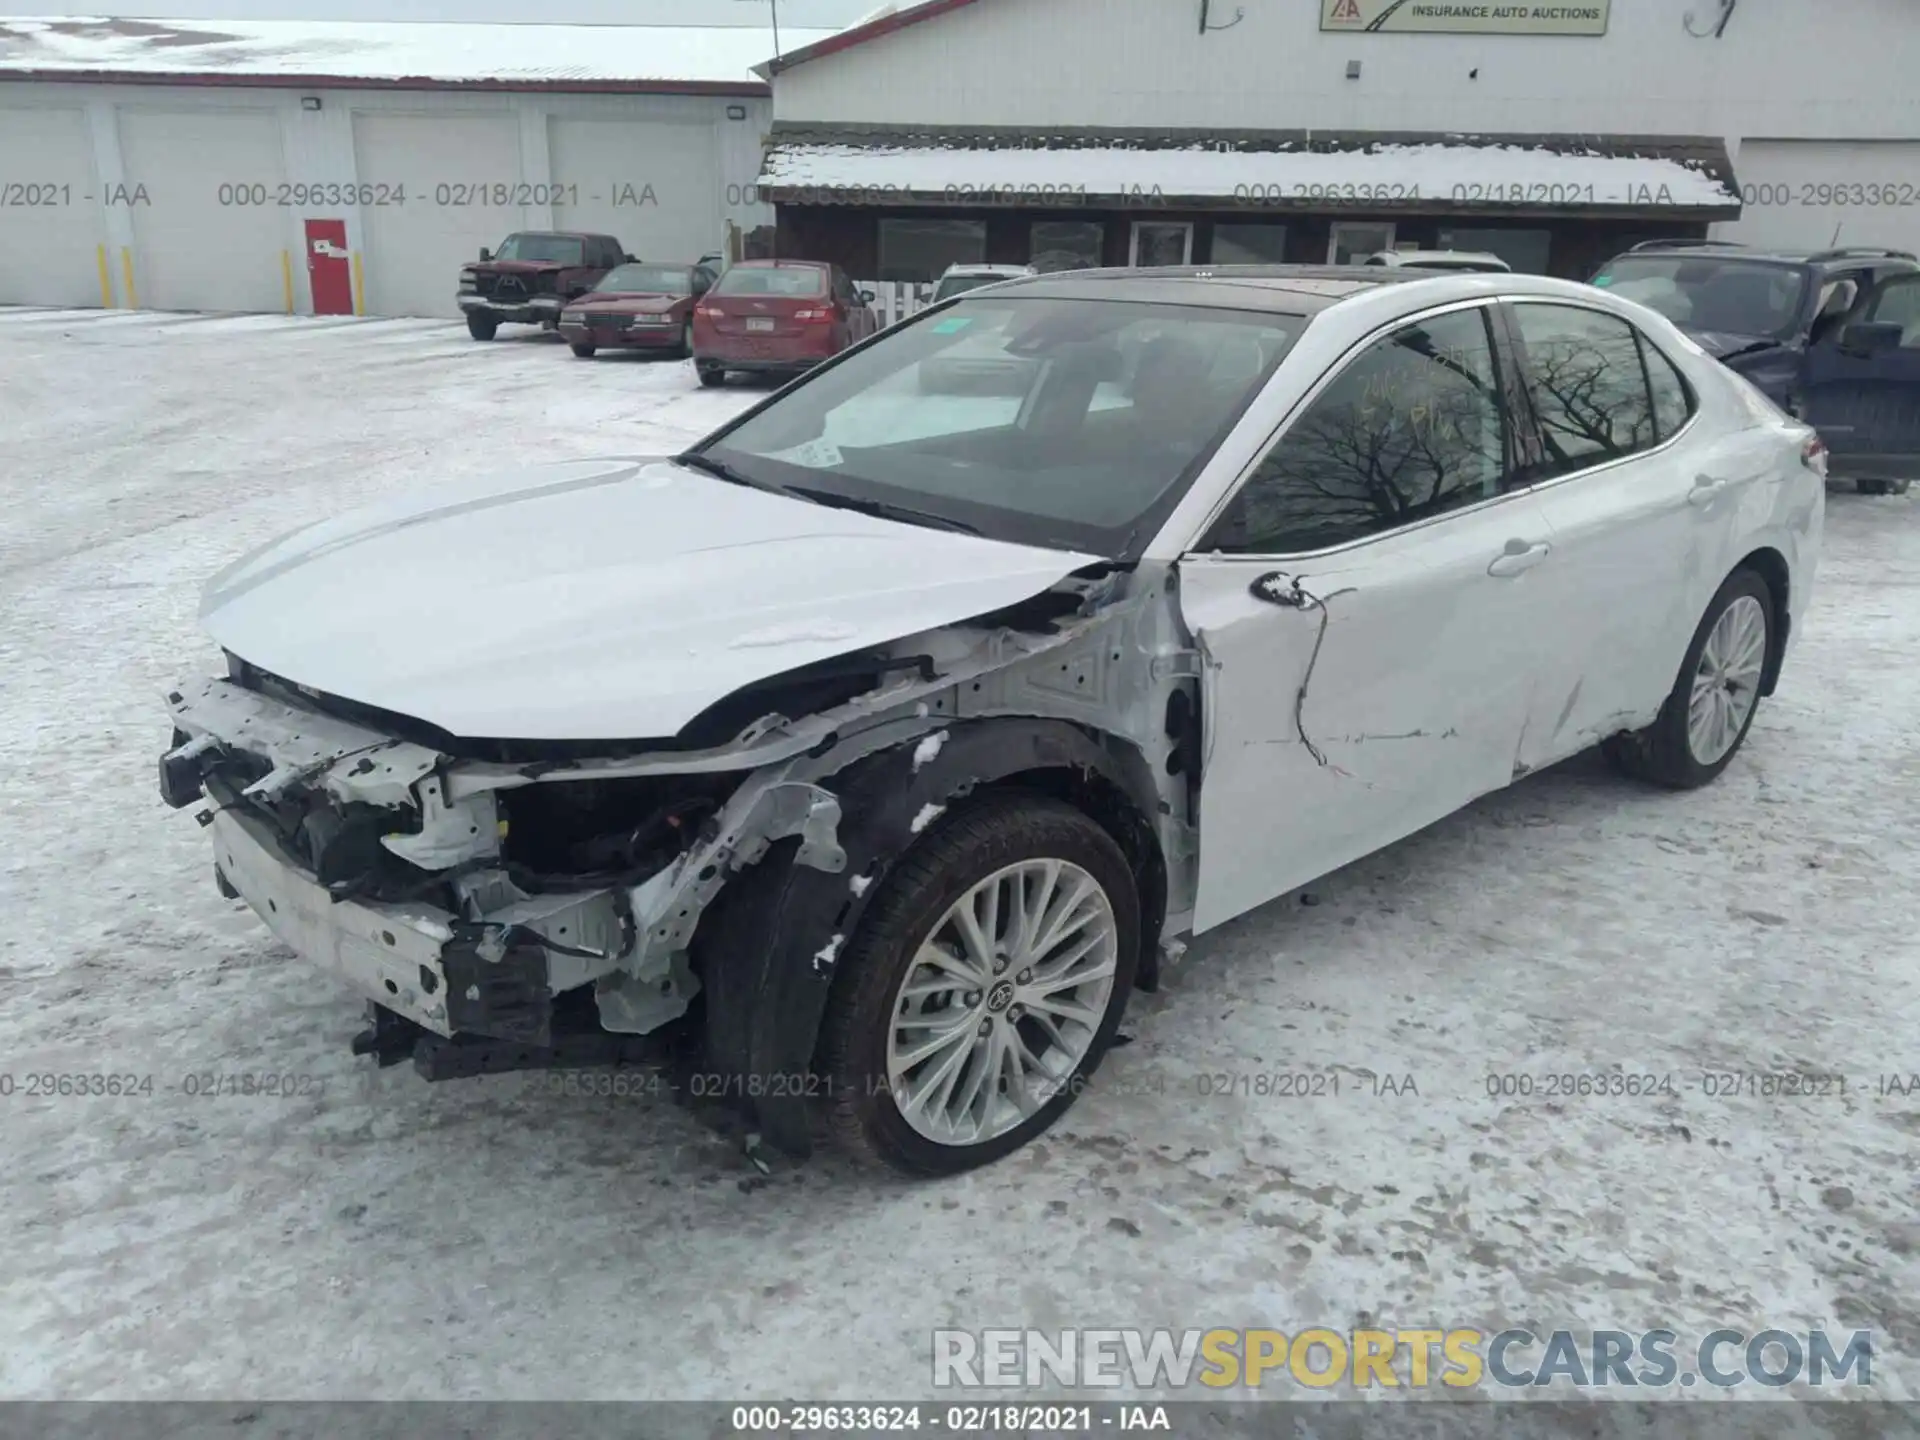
[373,1235]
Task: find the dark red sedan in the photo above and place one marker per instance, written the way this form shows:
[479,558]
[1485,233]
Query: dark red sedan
[778,317]
[637,306]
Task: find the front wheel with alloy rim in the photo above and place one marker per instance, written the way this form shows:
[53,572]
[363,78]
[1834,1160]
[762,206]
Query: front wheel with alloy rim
[1713,702]
[983,988]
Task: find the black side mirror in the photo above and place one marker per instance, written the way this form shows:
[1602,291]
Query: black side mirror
[485,254]
[1869,339]
[866,297]
[630,260]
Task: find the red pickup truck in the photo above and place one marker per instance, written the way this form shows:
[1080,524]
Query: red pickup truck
[532,276]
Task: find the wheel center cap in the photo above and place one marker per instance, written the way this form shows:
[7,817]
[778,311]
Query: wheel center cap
[1000,996]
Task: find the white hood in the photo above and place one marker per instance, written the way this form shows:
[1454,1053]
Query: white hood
[598,600]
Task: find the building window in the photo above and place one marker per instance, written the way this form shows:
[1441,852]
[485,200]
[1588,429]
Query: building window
[1065,245]
[921,250]
[1237,244]
[1525,250]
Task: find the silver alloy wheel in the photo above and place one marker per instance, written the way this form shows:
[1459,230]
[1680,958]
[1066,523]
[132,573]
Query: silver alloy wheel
[1726,682]
[1002,1001]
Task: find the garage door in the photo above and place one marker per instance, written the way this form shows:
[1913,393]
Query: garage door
[207,234]
[50,221]
[654,187]
[453,167]
[1804,193]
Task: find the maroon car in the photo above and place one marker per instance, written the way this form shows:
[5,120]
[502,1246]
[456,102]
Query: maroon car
[532,277]
[778,317]
[639,306]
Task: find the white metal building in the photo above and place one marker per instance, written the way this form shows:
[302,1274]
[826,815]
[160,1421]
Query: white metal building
[1109,130]
[210,165]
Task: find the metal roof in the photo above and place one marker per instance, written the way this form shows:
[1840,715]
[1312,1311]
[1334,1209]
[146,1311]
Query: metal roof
[392,54]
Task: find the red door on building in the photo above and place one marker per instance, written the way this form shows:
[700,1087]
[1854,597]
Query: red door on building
[329,270]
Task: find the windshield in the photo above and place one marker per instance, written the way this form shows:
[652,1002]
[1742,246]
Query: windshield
[772,280]
[540,249]
[960,284]
[1075,424]
[1734,297]
[646,280]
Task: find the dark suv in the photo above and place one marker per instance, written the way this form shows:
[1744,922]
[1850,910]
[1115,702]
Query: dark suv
[1830,336]
[530,278]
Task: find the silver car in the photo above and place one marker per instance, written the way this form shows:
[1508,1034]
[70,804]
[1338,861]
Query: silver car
[872,751]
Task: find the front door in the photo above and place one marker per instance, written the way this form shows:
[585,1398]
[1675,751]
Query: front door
[1863,385]
[1350,242]
[1161,242]
[1364,608]
[329,267]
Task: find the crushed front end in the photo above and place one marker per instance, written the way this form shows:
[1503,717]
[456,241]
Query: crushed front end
[499,914]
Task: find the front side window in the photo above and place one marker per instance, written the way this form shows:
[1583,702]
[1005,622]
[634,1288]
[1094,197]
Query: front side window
[787,281]
[541,249]
[1071,423]
[1413,427]
[647,280]
[1898,303]
[1713,294]
[1587,385]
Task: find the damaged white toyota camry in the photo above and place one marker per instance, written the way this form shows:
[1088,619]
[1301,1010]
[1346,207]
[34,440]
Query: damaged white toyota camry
[871,750]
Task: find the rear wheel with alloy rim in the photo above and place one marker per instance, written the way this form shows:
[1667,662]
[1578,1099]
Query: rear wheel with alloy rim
[1713,702]
[983,988]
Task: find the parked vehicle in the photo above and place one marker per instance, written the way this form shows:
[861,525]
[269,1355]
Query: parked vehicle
[778,317]
[903,729]
[532,276]
[958,279]
[637,307]
[1441,259]
[1831,336]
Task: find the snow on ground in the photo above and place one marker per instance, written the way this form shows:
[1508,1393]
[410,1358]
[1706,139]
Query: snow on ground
[500,1239]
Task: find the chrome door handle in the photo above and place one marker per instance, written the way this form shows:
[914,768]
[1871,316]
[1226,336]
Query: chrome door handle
[1519,556]
[1705,487]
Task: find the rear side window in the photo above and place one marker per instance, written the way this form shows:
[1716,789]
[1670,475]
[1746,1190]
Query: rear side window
[1589,390]
[1413,427]
[796,280]
[1672,400]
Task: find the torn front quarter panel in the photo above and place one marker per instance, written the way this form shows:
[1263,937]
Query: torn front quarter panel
[768,959]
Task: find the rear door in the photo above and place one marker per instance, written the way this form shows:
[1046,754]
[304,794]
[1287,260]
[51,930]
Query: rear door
[1365,608]
[1639,501]
[1862,390]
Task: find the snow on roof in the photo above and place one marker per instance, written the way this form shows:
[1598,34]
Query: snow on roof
[1456,170]
[391,52]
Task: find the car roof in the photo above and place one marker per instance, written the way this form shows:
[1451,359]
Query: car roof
[1006,269]
[1727,250]
[1283,289]
[566,234]
[1407,257]
[791,264]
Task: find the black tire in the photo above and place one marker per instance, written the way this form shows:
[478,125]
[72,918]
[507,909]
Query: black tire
[481,327]
[1660,753]
[970,844]
[710,375]
[686,341]
[1874,487]
[583,351]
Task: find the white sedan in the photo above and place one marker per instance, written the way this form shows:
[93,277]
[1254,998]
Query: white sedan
[871,750]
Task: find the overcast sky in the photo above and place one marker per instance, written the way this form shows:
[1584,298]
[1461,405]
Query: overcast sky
[829,14]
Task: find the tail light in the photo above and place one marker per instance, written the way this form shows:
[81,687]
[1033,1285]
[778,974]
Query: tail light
[708,312]
[1813,455]
[816,316]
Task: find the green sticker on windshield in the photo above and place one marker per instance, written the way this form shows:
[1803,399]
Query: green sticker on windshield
[1603,281]
[952,323]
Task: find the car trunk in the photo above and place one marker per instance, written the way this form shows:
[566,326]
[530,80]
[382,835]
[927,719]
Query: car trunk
[773,326]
